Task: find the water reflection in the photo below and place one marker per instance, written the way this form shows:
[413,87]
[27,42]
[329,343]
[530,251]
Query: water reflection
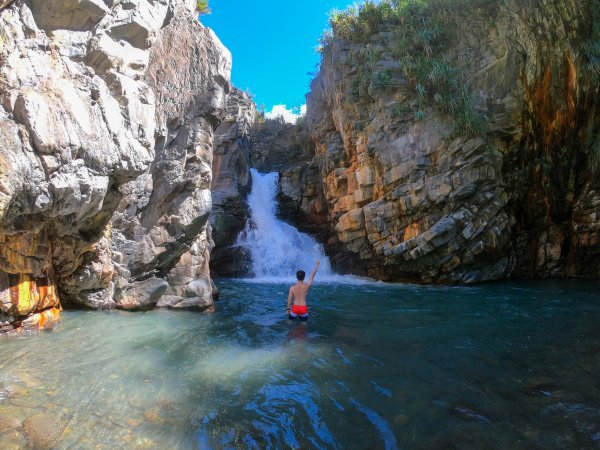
[298,331]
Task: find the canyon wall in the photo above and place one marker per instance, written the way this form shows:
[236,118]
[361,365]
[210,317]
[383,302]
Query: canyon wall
[399,191]
[106,129]
[231,185]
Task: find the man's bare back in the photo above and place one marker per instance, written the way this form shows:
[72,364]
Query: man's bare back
[298,294]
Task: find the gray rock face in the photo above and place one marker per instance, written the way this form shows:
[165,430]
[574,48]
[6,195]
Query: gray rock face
[106,123]
[160,228]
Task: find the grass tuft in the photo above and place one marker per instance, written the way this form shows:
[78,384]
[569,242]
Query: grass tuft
[421,30]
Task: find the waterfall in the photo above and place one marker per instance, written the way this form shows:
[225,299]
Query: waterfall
[278,249]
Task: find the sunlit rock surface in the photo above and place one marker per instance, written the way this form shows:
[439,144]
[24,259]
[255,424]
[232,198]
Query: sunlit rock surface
[105,106]
[399,198]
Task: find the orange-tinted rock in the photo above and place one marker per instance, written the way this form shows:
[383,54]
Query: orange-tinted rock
[45,320]
[29,302]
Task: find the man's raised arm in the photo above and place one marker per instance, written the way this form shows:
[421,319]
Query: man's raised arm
[312,275]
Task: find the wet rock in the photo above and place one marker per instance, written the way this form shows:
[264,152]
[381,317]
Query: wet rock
[152,416]
[24,402]
[8,423]
[144,444]
[166,404]
[30,380]
[13,440]
[15,390]
[401,420]
[584,418]
[134,422]
[43,431]
[541,386]
[231,261]
[541,390]
[466,413]
[12,411]
[142,295]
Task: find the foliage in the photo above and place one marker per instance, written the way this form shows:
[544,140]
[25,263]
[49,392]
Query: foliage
[400,109]
[382,80]
[202,6]
[422,34]
[360,85]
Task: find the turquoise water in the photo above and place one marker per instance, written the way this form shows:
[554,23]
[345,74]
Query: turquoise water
[500,366]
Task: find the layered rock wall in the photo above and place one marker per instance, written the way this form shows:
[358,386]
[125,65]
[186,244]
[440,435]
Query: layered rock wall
[107,107]
[408,198]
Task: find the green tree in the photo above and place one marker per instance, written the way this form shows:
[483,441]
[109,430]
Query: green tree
[202,6]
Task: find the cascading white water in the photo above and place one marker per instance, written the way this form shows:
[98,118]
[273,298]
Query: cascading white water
[278,249]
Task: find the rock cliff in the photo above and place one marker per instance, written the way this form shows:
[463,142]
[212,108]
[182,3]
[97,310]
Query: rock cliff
[106,128]
[231,184]
[415,178]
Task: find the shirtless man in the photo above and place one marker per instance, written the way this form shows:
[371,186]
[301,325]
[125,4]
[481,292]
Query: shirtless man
[298,293]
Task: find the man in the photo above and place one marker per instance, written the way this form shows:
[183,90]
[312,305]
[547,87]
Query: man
[298,293]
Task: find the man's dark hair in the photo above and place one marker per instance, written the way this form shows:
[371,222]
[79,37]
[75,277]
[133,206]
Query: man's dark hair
[300,275]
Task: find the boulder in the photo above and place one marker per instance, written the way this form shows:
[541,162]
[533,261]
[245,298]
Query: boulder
[43,431]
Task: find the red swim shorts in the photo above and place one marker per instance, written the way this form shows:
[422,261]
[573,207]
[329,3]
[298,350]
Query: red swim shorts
[298,310]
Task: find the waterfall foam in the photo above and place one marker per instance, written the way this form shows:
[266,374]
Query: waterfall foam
[278,249]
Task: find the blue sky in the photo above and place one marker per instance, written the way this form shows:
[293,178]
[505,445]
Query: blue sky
[273,44]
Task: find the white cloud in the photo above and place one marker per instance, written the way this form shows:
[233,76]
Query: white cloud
[288,115]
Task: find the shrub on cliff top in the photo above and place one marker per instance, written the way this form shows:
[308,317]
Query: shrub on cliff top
[202,6]
[422,31]
[358,23]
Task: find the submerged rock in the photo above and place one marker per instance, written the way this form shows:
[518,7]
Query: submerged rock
[43,431]
[467,413]
[8,423]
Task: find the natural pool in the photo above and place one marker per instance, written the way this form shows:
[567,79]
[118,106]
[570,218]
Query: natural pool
[500,366]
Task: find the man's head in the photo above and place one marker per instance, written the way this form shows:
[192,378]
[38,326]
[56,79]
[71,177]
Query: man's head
[300,275]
